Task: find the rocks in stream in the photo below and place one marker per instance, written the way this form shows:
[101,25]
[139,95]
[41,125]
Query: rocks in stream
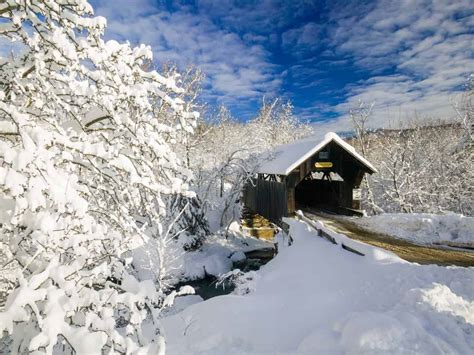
[208,286]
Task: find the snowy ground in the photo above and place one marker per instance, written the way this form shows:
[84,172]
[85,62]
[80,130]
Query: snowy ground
[422,228]
[315,297]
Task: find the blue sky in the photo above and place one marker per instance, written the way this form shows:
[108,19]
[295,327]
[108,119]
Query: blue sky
[407,57]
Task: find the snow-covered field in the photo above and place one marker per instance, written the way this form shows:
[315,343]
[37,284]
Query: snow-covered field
[422,228]
[315,297]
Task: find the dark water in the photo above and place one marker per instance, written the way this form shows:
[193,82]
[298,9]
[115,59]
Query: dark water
[208,288]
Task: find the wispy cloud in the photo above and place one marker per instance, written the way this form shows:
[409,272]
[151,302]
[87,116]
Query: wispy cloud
[405,56]
[411,57]
[236,68]
[426,47]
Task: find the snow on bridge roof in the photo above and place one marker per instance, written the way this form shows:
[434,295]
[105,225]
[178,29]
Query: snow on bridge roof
[284,158]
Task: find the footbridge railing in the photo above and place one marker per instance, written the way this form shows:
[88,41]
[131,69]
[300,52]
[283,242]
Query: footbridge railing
[323,233]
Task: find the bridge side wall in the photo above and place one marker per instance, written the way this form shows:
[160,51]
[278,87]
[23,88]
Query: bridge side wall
[267,198]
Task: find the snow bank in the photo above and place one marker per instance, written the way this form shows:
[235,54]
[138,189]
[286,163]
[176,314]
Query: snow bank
[316,297]
[422,228]
[217,254]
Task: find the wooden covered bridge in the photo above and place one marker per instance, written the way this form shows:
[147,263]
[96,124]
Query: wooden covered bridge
[321,175]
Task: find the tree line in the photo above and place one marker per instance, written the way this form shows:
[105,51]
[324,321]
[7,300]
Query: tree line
[423,168]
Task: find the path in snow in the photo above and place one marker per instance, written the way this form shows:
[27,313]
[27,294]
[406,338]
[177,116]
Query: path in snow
[406,250]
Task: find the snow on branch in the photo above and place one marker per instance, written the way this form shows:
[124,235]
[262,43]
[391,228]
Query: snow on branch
[73,186]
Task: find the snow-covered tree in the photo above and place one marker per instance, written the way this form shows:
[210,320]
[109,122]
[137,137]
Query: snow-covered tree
[85,167]
[360,117]
[192,227]
[276,124]
[423,166]
[222,164]
[465,109]
[190,80]
[421,169]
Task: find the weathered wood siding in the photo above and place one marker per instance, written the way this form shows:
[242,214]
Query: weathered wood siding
[267,198]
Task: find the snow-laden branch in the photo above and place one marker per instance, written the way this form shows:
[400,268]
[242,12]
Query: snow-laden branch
[84,155]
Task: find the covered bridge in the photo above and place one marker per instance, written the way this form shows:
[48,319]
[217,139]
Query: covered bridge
[321,175]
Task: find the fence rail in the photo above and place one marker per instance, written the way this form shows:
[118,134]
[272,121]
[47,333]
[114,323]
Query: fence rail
[322,233]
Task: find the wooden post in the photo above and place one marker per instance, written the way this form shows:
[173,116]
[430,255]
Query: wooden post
[291,200]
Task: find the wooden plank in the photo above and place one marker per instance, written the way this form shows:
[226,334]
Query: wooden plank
[327,236]
[352,250]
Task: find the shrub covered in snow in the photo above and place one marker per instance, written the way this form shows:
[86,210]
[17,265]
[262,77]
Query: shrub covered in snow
[83,157]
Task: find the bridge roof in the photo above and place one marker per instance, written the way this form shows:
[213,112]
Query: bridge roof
[285,158]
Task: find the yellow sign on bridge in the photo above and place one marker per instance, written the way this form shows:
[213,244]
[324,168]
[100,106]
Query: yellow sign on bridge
[323,164]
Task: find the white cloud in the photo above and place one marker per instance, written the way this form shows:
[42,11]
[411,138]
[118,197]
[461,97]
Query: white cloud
[428,45]
[234,68]
[418,53]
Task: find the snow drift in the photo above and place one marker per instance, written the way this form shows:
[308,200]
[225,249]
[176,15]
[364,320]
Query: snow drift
[422,228]
[315,297]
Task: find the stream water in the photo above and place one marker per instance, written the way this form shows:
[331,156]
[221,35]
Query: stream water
[208,288]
